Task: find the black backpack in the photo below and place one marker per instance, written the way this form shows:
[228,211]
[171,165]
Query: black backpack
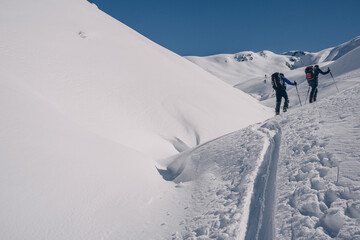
[310,73]
[277,81]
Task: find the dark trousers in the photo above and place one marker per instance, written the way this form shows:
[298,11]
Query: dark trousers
[279,95]
[314,90]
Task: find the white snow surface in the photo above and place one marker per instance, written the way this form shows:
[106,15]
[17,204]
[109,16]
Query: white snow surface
[306,186]
[318,190]
[115,82]
[88,106]
[94,115]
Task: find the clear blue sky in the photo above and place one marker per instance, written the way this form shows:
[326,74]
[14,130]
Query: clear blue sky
[206,27]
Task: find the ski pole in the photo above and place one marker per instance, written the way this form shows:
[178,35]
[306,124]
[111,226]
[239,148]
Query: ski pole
[307,95]
[298,94]
[334,81]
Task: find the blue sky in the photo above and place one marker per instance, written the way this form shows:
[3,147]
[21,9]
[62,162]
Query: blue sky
[206,27]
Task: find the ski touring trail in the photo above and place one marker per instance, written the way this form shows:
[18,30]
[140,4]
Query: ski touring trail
[296,176]
[219,178]
[318,194]
[261,222]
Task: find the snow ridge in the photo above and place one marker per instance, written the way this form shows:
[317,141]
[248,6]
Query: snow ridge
[341,50]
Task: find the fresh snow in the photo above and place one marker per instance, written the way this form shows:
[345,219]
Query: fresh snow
[307,186]
[107,135]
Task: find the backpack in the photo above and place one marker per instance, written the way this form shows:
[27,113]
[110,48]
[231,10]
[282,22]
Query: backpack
[310,73]
[277,81]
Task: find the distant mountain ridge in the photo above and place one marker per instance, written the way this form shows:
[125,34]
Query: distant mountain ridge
[343,49]
[242,66]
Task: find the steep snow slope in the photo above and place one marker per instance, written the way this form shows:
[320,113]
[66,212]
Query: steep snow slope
[115,82]
[87,106]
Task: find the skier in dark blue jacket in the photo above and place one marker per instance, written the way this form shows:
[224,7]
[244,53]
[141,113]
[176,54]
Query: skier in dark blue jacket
[314,83]
[279,84]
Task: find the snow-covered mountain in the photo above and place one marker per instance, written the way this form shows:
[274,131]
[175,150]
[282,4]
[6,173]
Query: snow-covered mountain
[250,66]
[243,66]
[94,115]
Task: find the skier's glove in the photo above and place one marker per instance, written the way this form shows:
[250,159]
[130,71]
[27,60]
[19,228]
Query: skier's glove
[295,83]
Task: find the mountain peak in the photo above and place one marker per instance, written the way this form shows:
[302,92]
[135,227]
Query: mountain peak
[294,53]
[244,56]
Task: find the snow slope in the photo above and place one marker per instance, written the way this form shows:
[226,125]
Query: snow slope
[318,192]
[87,107]
[114,81]
[59,180]
[296,176]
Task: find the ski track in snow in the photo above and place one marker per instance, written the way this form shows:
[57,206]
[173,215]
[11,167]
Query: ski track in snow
[220,194]
[261,222]
[294,177]
[244,225]
[219,178]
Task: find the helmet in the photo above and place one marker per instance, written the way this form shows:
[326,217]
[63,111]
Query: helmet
[317,66]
